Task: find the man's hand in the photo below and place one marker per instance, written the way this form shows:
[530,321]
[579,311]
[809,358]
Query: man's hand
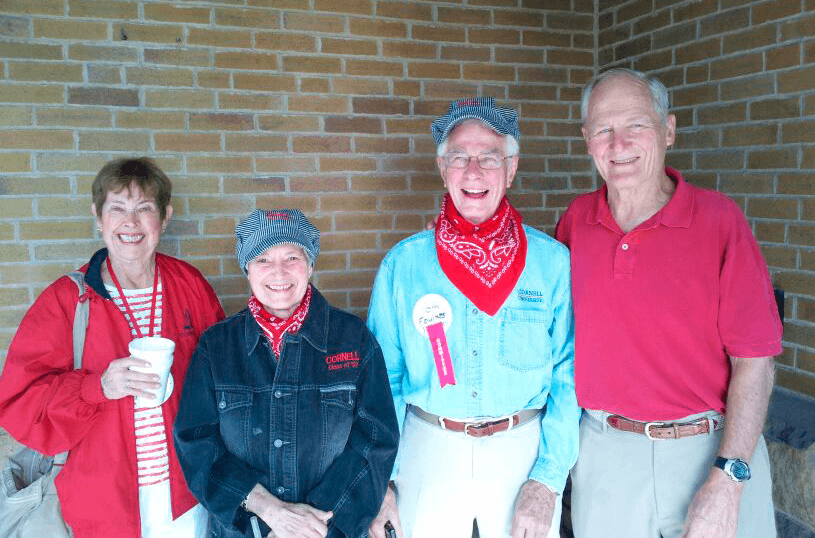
[534,509]
[387,512]
[714,511]
[287,520]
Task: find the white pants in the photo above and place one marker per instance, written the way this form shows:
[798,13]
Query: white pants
[447,479]
[626,486]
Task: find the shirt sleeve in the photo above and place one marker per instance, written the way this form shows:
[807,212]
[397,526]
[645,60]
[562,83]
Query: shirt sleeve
[383,323]
[557,452]
[44,403]
[749,325]
[219,480]
[354,484]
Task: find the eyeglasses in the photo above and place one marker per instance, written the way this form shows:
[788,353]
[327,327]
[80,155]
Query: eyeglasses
[487,161]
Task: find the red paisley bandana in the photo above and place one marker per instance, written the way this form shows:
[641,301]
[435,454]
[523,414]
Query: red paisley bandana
[273,326]
[483,262]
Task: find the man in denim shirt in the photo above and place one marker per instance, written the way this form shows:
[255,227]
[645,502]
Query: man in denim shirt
[475,323]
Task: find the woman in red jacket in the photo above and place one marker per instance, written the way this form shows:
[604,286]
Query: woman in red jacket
[122,477]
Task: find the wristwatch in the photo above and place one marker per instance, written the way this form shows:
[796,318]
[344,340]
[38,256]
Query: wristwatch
[736,469]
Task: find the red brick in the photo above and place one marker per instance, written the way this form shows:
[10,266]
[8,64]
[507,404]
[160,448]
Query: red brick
[518,55]
[378,184]
[801,234]
[576,58]
[488,72]
[45,72]
[277,122]
[69,29]
[775,109]
[193,58]
[465,53]
[750,135]
[346,164]
[286,164]
[747,88]
[253,185]
[114,141]
[352,125]
[464,16]
[150,76]
[187,142]
[222,38]
[699,50]
[166,13]
[321,183]
[781,57]
[249,18]
[798,184]
[372,68]
[178,99]
[545,39]
[41,7]
[749,39]
[796,80]
[227,165]
[720,160]
[410,164]
[798,132]
[773,158]
[321,144]
[220,122]
[311,64]
[310,22]
[30,51]
[371,105]
[263,82]
[746,183]
[717,114]
[105,10]
[735,66]
[772,208]
[632,9]
[242,101]
[97,53]
[357,47]
[150,119]
[402,10]
[377,28]
[773,10]
[798,28]
[439,33]
[315,85]
[246,60]
[318,104]
[255,143]
[103,96]
[378,144]
[357,7]
[517,18]
[574,22]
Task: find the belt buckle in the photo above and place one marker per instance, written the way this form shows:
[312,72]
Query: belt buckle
[647,431]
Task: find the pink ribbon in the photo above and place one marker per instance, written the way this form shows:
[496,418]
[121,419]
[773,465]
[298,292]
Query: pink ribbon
[441,354]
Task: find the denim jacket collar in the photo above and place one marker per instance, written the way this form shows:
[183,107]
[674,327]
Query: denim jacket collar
[314,329]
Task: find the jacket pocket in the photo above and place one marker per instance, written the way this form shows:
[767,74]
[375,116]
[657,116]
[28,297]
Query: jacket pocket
[337,406]
[234,412]
[525,339]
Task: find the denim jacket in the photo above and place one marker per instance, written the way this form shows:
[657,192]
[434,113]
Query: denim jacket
[315,426]
[520,358]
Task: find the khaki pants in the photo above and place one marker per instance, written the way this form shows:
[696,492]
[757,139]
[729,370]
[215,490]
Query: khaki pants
[447,479]
[626,486]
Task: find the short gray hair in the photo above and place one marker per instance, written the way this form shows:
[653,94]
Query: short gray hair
[511,146]
[659,93]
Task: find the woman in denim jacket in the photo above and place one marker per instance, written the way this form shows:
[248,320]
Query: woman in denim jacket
[286,427]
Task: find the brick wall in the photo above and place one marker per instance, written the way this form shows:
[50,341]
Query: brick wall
[323,105]
[742,81]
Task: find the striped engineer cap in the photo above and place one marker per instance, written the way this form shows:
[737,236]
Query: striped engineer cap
[501,119]
[263,229]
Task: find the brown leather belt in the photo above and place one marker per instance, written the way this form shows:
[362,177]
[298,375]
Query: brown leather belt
[666,430]
[482,428]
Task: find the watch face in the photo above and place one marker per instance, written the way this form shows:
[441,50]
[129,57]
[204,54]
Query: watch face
[740,470]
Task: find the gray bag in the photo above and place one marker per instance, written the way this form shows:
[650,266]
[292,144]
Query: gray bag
[29,506]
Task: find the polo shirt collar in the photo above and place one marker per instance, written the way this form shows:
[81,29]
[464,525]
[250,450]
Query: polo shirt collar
[677,212]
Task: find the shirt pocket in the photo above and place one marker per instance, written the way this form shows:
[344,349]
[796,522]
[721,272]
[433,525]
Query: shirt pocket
[525,342]
[337,405]
[234,413]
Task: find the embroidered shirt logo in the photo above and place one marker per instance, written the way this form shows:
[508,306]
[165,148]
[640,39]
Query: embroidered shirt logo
[342,361]
[531,296]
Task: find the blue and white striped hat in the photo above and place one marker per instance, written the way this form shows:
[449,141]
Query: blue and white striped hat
[264,229]
[501,119]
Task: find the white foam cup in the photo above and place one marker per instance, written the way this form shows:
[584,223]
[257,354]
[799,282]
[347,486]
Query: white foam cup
[159,352]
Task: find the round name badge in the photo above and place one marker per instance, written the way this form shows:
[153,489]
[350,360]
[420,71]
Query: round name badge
[429,309]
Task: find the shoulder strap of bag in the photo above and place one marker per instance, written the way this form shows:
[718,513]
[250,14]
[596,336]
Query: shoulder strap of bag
[80,328]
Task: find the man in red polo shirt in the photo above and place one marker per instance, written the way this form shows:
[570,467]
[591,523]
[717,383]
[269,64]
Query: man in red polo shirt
[676,327]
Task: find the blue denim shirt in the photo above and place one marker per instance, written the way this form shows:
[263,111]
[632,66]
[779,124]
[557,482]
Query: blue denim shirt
[520,358]
[316,426]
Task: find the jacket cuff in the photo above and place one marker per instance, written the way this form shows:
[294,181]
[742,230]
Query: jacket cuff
[91,389]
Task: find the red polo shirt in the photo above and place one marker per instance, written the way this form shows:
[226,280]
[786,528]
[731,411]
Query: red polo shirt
[658,310]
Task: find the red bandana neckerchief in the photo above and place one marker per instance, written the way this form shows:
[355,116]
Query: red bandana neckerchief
[492,254]
[273,326]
